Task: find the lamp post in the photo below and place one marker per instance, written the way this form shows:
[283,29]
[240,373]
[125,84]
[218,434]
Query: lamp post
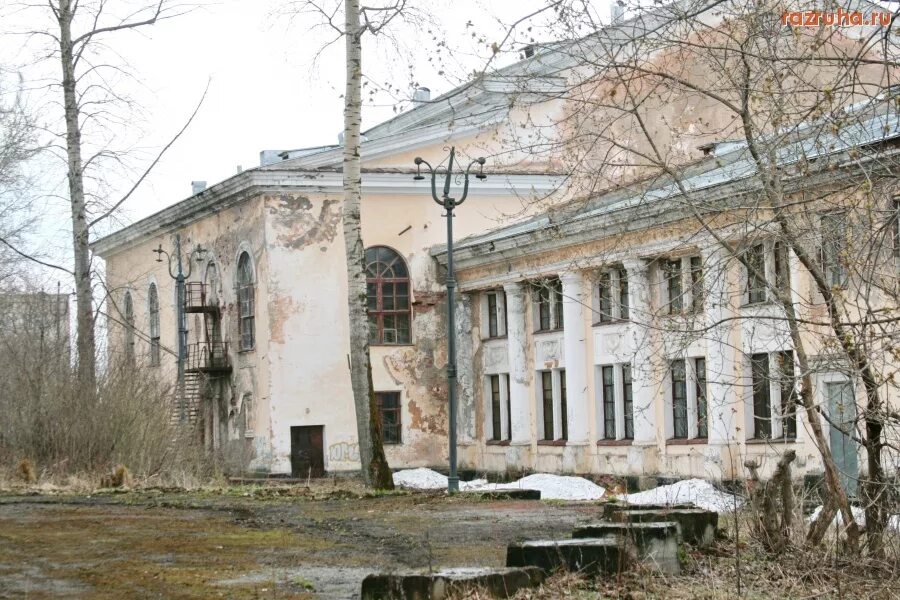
[180,276]
[449,203]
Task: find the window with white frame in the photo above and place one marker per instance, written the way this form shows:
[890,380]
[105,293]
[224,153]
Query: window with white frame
[682,280]
[687,391]
[551,405]
[612,297]
[494,313]
[834,248]
[615,403]
[498,407]
[548,304]
[765,263]
[773,395]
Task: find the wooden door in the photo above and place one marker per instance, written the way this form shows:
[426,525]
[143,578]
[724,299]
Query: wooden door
[307,451]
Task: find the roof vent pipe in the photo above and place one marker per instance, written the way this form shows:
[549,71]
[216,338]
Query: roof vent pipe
[197,187]
[618,11]
[421,95]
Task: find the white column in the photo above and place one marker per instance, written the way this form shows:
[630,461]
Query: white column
[722,351]
[574,352]
[465,370]
[516,336]
[643,385]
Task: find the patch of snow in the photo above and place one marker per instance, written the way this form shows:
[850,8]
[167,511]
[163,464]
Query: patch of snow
[693,491]
[859,515]
[552,487]
[427,479]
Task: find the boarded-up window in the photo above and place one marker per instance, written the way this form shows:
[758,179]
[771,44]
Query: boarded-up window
[153,310]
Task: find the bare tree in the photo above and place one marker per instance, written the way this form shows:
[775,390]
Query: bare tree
[804,111]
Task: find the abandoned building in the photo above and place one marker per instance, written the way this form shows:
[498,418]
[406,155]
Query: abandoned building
[608,334]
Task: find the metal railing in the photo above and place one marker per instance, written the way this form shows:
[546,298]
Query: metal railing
[208,357]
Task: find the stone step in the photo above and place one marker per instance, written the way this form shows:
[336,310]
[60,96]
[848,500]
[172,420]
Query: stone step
[591,556]
[419,585]
[610,508]
[696,526]
[655,543]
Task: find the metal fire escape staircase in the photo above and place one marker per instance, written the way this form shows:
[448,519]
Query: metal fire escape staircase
[207,360]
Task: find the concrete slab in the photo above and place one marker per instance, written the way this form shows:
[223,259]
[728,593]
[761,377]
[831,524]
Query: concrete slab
[655,543]
[696,526]
[516,494]
[610,508]
[418,585]
[592,556]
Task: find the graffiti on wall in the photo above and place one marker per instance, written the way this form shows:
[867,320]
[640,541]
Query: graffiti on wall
[343,452]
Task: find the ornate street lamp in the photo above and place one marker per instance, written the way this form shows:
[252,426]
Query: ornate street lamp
[180,276]
[449,204]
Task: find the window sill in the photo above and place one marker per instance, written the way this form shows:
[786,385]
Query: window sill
[557,330]
[612,322]
[614,442]
[371,345]
[767,441]
[497,443]
[552,442]
[383,443]
[494,337]
[686,442]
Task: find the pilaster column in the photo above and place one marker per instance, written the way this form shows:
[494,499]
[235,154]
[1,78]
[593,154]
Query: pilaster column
[516,336]
[643,385]
[574,351]
[465,375]
[722,347]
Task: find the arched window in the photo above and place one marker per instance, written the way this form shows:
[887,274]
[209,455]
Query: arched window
[128,309]
[387,289]
[153,309]
[245,292]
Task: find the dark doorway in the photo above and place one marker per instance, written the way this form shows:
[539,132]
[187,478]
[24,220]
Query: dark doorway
[307,451]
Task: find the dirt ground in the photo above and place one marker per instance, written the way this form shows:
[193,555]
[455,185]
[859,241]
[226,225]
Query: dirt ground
[251,543]
[292,542]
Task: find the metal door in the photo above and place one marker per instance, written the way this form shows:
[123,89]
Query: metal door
[307,451]
[842,412]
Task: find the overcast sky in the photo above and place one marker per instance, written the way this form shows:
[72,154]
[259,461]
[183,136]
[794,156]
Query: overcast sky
[268,87]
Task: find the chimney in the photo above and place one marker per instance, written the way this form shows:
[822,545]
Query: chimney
[529,50]
[240,169]
[197,187]
[618,11]
[421,95]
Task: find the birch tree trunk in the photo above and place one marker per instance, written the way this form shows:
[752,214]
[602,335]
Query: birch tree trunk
[85,342]
[375,470]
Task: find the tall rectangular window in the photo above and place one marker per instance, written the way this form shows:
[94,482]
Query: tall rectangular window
[508,409]
[495,408]
[550,305]
[493,326]
[696,284]
[557,289]
[782,267]
[672,271]
[787,384]
[762,405]
[547,403]
[700,382]
[389,410]
[605,293]
[755,258]
[627,402]
[679,400]
[834,247]
[563,407]
[609,403]
[895,225]
[624,300]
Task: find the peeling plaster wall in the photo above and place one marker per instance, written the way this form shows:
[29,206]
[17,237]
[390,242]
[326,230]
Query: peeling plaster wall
[224,234]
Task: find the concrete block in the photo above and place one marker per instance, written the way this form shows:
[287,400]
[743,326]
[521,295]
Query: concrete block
[610,508]
[514,494]
[695,525]
[592,556]
[655,543]
[417,585]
